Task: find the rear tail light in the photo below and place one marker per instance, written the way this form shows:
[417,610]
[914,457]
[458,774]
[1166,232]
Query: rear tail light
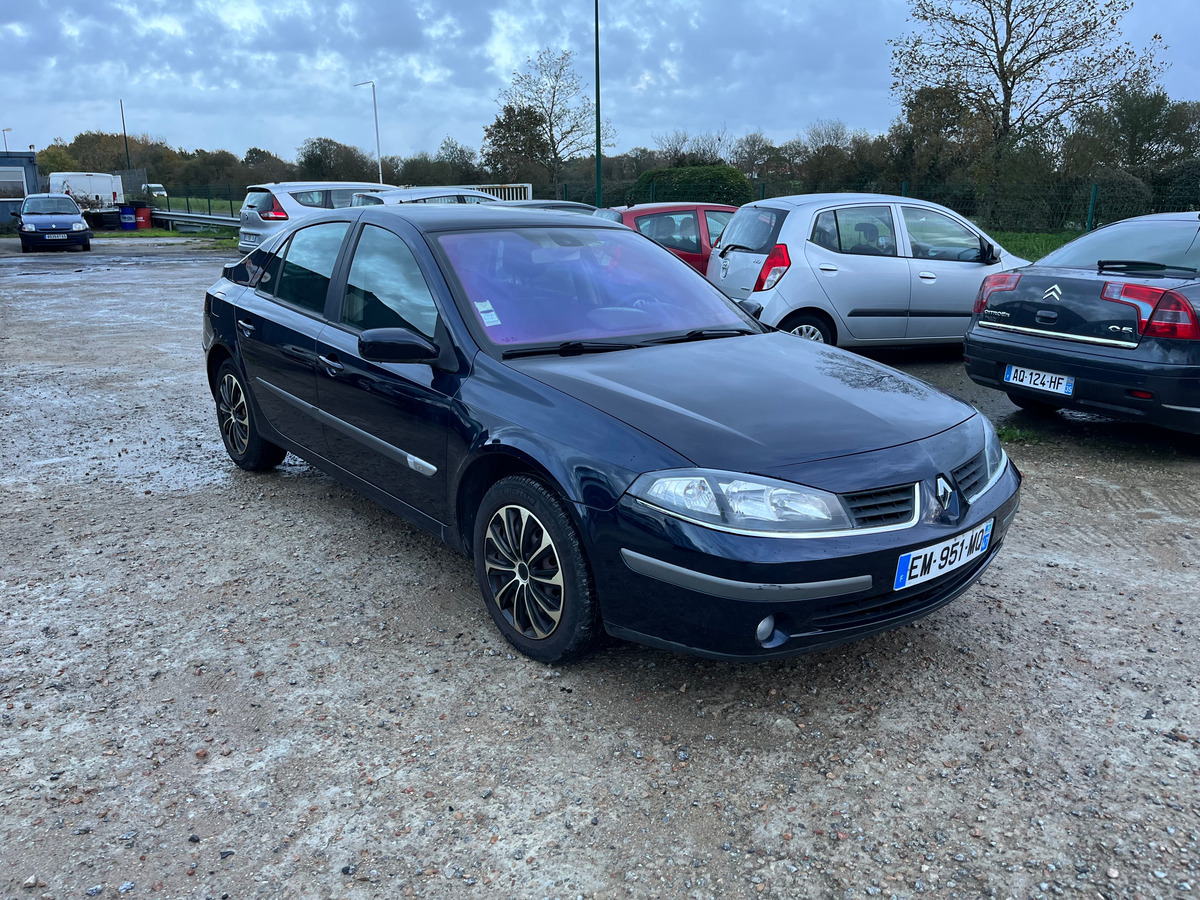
[275,212]
[1161,313]
[773,268]
[993,284]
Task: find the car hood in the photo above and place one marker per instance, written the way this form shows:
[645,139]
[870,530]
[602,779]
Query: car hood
[62,220]
[754,403]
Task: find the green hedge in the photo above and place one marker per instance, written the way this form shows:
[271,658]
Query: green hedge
[692,184]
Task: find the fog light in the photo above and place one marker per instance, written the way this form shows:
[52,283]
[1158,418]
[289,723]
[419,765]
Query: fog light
[765,629]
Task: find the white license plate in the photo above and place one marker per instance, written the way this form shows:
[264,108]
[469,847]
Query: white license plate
[930,562]
[1042,381]
[56,237]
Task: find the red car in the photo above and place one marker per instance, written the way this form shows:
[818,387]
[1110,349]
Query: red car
[688,230]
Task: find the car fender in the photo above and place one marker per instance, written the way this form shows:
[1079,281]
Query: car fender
[798,289]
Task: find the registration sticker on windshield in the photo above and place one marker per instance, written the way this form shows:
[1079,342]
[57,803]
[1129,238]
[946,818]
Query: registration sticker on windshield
[487,314]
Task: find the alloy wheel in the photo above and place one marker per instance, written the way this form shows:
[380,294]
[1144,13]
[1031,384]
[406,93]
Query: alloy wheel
[233,415]
[523,570]
[809,333]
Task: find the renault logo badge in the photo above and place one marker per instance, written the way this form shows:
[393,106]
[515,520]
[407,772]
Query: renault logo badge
[1054,292]
[945,493]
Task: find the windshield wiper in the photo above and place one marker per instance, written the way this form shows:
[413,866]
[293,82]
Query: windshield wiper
[1137,265]
[568,348]
[725,248]
[701,334]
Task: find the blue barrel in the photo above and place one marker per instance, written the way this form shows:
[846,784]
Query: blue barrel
[128,219]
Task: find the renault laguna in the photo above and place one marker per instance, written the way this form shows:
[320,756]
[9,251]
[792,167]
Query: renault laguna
[618,446]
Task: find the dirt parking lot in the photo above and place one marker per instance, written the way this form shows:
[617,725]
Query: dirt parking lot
[215,684]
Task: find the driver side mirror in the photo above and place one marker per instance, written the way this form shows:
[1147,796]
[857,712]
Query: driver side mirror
[987,253]
[15,214]
[396,345]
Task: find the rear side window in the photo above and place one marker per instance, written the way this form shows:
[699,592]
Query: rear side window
[340,198]
[447,198]
[754,228]
[361,199]
[308,266]
[860,230]
[310,198]
[674,230]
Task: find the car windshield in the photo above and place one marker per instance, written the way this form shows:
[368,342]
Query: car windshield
[1173,244]
[533,286]
[50,206]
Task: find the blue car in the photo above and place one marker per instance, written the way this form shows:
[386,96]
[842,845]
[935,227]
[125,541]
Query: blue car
[51,221]
[618,446]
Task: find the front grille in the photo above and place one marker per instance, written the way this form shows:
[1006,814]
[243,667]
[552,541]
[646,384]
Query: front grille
[971,475]
[882,507]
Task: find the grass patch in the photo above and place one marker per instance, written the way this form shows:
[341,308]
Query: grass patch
[1033,245]
[1012,435]
[138,233]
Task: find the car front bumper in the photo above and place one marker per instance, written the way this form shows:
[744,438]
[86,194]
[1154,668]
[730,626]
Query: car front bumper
[1105,378]
[678,586]
[53,239]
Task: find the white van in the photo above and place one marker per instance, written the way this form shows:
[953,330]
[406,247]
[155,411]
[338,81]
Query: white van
[91,190]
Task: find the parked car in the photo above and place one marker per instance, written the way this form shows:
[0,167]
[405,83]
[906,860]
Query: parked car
[596,436]
[268,207]
[561,205]
[53,222]
[857,269]
[154,190]
[689,230]
[423,195]
[1107,323]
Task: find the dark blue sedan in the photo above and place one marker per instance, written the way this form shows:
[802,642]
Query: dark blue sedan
[617,445]
[51,222]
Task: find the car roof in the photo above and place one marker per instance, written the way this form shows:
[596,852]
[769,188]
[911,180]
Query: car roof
[669,206]
[48,194]
[464,216]
[435,191]
[321,185]
[798,200]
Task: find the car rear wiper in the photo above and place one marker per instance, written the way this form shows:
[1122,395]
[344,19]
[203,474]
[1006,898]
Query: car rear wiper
[725,248]
[568,348]
[1137,265]
[701,334]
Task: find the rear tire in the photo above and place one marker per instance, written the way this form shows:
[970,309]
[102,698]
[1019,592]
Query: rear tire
[235,417]
[1033,405]
[532,572]
[810,327]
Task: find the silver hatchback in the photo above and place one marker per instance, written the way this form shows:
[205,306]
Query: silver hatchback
[857,269]
[268,207]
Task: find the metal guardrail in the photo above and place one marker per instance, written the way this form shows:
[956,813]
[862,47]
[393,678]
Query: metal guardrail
[170,218]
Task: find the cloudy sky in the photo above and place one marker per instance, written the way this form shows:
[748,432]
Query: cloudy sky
[232,74]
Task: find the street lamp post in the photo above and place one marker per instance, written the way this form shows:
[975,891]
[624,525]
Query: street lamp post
[599,192]
[375,106]
[6,131]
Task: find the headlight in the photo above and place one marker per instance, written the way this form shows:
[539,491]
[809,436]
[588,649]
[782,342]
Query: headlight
[997,459]
[28,226]
[78,226]
[743,504]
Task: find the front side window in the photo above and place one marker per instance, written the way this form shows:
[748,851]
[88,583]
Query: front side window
[937,236]
[308,265]
[860,230]
[539,285]
[717,219]
[385,288]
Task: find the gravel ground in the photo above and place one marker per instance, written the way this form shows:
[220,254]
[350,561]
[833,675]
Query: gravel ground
[219,684]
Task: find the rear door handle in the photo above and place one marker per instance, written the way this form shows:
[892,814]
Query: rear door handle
[247,327]
[827,267]
[927,276]
[332,366]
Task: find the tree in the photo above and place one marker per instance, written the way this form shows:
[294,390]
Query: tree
[460,159]
[1020,65]
[324,159]
[566,119]
[515,144]
[56,158]
[263,165]
[752,152]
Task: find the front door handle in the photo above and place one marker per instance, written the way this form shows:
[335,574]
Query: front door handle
[927,276]
[247,327]
[332,366]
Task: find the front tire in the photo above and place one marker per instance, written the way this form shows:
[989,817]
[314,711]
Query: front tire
[245,446]
[810,327]
[532,572]
[87,245]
